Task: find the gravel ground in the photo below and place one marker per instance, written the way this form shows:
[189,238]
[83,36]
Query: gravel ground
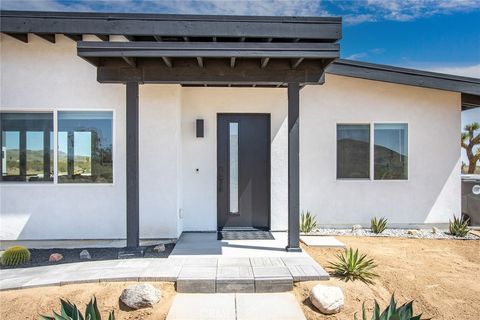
[397,233]
[39,257]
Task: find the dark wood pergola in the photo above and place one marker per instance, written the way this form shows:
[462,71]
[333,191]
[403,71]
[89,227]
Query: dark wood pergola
[193,50]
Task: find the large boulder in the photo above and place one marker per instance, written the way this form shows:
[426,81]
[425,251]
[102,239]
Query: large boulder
[140,296]
[327,299]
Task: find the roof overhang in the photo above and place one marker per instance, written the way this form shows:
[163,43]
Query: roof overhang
[192,49]
[468,87]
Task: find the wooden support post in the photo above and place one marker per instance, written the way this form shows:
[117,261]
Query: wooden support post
[293,168]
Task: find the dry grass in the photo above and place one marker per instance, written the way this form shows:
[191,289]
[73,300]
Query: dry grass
[442,276]
[29,303]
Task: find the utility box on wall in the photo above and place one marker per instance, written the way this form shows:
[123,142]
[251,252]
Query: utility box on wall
[471,198]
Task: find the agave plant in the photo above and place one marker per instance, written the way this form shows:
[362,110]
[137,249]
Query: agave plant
[15,255]
[351,265]
[405,312]
[307,222]
[69,311]
[458,227]
[378,226]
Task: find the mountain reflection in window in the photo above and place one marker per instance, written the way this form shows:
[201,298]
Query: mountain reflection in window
[85,147]
[391,152]
[353,151]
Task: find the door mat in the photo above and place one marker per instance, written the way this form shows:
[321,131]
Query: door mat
[244,235]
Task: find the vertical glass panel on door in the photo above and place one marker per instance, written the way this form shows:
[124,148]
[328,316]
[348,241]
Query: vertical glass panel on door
[27,146]
[85,145]
[353,151]
[233,156]
[391,151]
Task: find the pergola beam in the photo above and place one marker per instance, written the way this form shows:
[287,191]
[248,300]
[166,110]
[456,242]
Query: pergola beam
[47,37]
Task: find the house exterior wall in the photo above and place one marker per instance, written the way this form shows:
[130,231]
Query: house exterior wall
[432,192]
[174,197]
[200,189]
[44,76]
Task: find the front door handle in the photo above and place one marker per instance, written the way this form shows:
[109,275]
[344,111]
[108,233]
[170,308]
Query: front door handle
[220,179]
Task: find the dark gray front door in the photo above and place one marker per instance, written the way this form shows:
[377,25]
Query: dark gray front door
[243,173]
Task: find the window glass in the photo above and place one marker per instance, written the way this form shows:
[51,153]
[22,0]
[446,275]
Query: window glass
[233,153]
[391,151]
[85,147]
[353,151]
[27,146]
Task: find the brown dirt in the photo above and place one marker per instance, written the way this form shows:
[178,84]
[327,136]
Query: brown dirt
[29,303]
[442,276]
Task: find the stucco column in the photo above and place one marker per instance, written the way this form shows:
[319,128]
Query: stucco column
[293,168]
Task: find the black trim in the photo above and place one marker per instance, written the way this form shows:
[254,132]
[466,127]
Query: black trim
[413,77]
[470,101]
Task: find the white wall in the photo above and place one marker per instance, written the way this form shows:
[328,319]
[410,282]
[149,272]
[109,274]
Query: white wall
[200,189]
[160,161]
[45,76]
[432,192]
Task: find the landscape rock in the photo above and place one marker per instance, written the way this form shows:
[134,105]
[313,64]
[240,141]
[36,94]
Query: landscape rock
[327,299]
[159,248]
[356,227]
[55,257]
[435,230]
[413,232]
[85,255]
[140,296]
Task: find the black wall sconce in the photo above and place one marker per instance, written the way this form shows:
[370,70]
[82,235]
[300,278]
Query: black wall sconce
[200,128]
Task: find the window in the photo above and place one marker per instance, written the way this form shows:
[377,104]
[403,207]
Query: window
[27,146]
[233,154]
[391,152]
[85,147]
[353,151]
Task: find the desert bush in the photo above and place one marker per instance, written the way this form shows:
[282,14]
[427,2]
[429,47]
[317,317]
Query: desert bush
[378,226]
[69,311]
[15,255]
[350,265]
[307,222]
[459,227]
[405,312]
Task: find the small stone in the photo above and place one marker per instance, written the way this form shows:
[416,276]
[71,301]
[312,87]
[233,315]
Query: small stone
[435,230]
[85,255]
[140,296]
[159,248]
[356,227]
[55,257]
[327,299]
[413,232]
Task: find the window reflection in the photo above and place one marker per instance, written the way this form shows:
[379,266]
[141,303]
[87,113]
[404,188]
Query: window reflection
[85,147]
[391,151]
[353,151]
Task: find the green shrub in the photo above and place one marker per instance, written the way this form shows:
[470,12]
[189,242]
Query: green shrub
[378,226]
[69,311]
[351,265]
[307,222]
[405,312]
[458,227]
[15,255]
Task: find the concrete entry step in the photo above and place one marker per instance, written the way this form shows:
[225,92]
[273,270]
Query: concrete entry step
[246,275]
[240,306]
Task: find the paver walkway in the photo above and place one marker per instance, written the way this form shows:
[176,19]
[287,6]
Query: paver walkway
[199,264]
[239,306]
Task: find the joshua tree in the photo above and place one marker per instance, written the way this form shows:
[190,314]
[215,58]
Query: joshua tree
[469,141]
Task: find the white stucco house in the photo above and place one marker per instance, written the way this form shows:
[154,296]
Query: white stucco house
[128,126]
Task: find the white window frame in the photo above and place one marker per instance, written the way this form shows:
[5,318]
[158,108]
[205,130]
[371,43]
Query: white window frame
[55,149]
[372,150]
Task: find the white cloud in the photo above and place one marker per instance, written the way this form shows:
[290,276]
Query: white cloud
[466,71]
[228,7]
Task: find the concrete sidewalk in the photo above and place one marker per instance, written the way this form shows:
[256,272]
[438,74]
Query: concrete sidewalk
[239,306]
